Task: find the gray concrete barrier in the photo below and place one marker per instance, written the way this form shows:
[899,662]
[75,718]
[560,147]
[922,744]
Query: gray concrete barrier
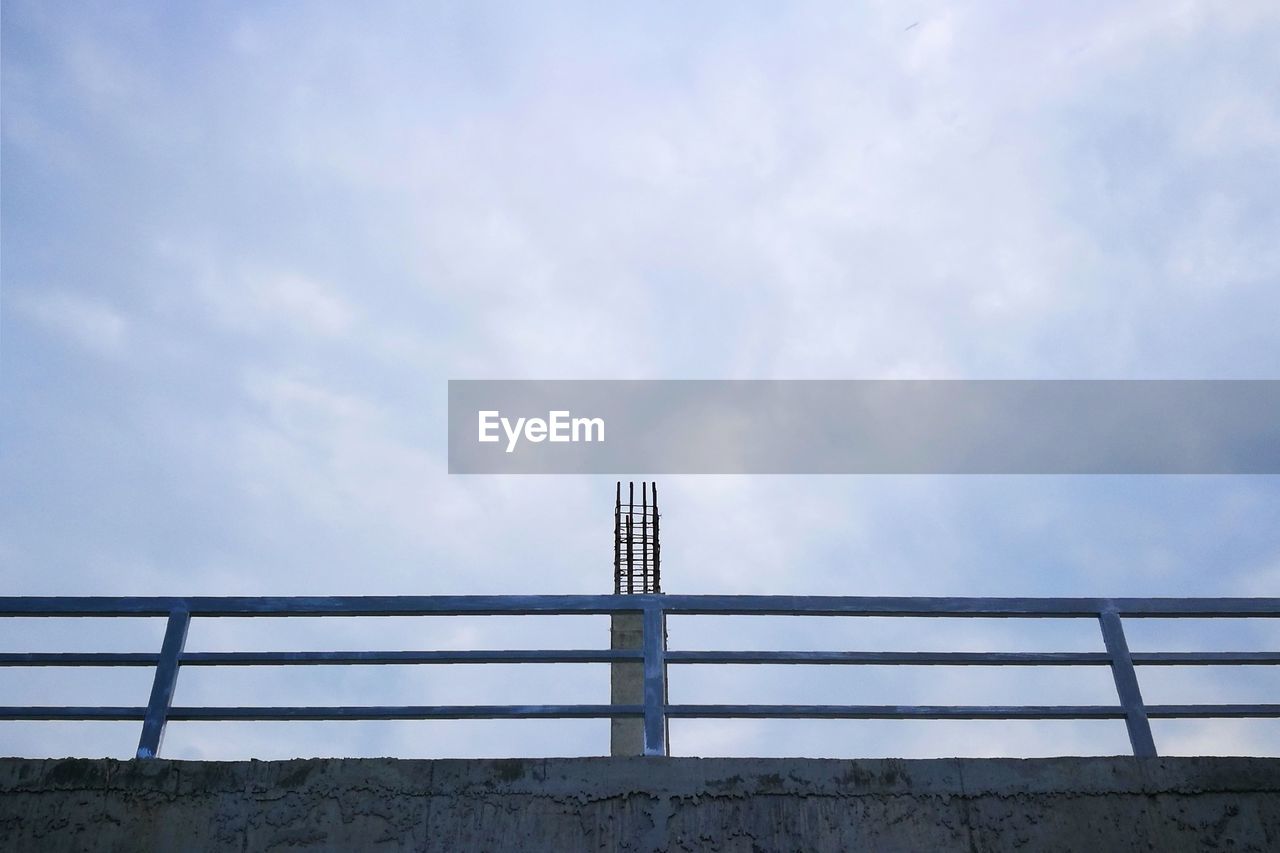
[641,804]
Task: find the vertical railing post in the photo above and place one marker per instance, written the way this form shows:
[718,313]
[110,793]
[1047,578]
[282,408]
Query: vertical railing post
[166,679]
[1126,678]
[655,681]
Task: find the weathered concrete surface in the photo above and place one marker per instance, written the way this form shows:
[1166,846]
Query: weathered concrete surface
[600,804]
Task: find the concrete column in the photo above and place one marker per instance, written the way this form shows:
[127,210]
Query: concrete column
[626,684]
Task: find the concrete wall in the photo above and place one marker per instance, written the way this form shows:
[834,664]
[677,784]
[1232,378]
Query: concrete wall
[604,804]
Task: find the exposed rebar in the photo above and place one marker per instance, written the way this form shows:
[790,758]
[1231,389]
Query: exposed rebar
[636,546]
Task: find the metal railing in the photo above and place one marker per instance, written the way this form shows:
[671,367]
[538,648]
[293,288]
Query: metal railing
[655,710]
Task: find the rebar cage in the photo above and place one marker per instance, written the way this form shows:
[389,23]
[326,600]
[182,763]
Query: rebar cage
[637,550]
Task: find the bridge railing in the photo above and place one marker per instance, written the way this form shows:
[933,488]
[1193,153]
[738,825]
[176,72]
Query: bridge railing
[655,657]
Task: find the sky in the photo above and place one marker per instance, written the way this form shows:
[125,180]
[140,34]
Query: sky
[245,245]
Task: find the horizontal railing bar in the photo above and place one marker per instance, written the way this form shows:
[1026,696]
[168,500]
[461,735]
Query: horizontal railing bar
[337,712]
[459,712]
[79,659]
[1206,658]
[968,712]
[67,712]
[1212,711]
[408,712]
[493,605]
[892,658]
[783,605]
[409,657]
[359,605]
[902,712]
[92,659]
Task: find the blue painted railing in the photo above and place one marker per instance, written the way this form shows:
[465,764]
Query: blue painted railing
[655,710]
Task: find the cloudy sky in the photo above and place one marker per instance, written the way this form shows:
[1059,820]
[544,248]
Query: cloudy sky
[245,245]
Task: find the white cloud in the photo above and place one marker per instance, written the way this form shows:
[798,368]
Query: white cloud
[85,321]
[319,214]
[261,301]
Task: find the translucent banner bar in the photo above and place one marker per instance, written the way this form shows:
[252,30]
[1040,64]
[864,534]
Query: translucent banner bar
[864,427]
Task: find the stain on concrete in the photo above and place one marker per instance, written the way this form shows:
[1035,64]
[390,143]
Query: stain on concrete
[641,804]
